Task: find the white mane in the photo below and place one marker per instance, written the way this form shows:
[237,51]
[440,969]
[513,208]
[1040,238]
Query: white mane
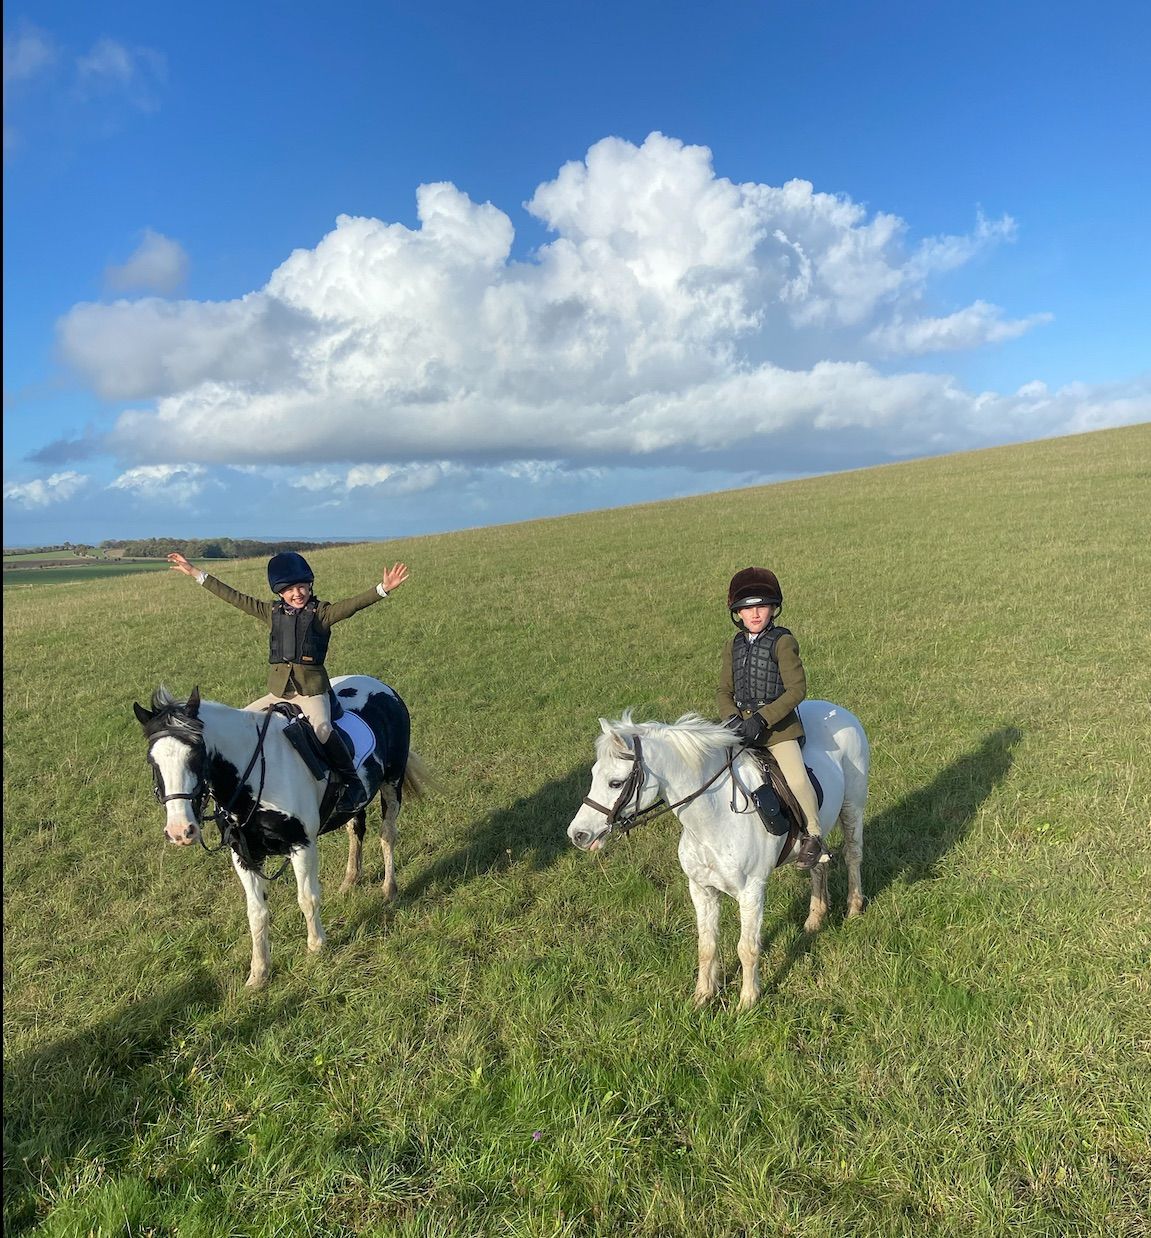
[692,738]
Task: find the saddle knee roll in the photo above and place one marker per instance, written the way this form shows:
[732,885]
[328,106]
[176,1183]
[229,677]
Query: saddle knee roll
[771,811]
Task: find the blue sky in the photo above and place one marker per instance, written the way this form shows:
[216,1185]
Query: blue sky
[387,269]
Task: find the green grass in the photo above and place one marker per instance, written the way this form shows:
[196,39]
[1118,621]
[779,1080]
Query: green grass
[510,1049]
[35,577]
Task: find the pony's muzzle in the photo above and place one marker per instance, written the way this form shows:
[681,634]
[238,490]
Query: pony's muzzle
[584,838]
[182,833]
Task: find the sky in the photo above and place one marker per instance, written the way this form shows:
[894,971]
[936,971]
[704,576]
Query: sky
[374,270]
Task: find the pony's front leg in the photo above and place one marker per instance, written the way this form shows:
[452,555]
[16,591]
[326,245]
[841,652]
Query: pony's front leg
[305,863]
[706,900]
[750,930]
[256,892]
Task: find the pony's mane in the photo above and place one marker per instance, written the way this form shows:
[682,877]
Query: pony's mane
[172,716]
[692,737]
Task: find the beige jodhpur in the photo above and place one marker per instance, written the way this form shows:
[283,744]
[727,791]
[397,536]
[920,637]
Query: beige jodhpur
[318,711]
[789,756]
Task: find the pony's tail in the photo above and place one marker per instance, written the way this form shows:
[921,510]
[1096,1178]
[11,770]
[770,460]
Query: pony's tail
[418,778]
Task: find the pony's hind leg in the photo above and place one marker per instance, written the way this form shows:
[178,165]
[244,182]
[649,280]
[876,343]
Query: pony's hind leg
[817,910]
[255,891]
[306,867]
[357,828]
[706,902]
[390,813]
[851,823]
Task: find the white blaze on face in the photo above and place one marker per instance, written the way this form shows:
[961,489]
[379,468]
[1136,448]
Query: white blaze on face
[172,759]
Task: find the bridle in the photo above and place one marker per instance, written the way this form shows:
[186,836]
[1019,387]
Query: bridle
[198,795]
[632,787]
[230,827]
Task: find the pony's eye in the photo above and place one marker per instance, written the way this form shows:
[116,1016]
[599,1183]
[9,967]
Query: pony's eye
[616,783]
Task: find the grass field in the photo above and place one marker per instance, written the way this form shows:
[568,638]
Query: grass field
[34,577]
[510,1049]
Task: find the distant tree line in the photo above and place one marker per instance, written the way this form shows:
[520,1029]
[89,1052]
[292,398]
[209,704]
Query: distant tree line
[198,548]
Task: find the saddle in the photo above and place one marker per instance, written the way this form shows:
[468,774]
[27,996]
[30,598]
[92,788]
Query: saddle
[298,732]
[778,808]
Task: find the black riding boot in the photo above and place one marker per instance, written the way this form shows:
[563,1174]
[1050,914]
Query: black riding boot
[340,759]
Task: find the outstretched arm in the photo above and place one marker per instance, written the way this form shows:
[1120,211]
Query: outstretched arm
[241,601]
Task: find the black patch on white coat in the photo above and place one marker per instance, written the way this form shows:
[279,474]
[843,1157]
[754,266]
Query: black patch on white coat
[259,832]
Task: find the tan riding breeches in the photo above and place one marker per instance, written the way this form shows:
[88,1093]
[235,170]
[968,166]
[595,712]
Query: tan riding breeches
[789,756]
[317,710]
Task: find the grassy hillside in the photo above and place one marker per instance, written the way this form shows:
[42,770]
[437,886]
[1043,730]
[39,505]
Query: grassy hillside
[510,1049]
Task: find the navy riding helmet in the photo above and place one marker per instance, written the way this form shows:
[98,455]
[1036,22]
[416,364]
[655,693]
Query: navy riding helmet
[288,568]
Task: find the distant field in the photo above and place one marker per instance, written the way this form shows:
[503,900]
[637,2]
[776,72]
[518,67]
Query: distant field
[510,1049]
[93,569]
[48,556]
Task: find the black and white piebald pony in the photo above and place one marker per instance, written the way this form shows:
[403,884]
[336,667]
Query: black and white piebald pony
[267,800]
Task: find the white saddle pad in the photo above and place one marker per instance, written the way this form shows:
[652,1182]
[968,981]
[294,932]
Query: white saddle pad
[359,736]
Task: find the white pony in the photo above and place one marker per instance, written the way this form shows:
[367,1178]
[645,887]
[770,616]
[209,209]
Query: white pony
[697,768]
[268,802]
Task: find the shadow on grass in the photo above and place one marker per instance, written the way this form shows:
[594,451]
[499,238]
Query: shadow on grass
[84,1096]
[534,829]
[907,841]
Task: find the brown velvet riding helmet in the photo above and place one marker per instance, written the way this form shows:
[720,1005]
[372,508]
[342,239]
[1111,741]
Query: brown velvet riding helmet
[754,586]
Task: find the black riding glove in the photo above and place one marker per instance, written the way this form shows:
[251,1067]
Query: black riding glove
[753,729]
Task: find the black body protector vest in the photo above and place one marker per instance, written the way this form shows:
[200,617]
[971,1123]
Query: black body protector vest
[754,671]
[296,637]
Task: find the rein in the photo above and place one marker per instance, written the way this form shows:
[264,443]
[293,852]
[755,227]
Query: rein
[634,784]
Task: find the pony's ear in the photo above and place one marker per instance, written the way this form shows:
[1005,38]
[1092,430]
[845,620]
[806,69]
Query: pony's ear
[193,705]
[143,716]
[605,726]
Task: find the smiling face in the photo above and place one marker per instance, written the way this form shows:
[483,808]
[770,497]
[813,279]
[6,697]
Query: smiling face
[296,596]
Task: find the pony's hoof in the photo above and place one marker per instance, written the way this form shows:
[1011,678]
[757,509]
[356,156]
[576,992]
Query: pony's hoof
[256,981]
[855,908]
[348,886]
[317,946]
[748,1003]
[813,924]
[699,1000]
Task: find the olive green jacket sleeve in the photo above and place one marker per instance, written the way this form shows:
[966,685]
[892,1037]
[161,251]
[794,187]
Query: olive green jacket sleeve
[327,613]
[255,607]
[779,714]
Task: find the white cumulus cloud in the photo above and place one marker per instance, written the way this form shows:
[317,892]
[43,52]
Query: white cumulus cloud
[43,492]
[673,314]
[169,483]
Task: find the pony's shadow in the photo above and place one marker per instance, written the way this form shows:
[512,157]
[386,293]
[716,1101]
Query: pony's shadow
[533,829]
[84,1093]
[907,841]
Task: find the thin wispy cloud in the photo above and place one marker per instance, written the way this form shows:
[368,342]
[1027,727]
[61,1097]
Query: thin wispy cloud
[50,86]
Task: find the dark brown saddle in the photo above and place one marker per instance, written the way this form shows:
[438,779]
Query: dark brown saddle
[778,808]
